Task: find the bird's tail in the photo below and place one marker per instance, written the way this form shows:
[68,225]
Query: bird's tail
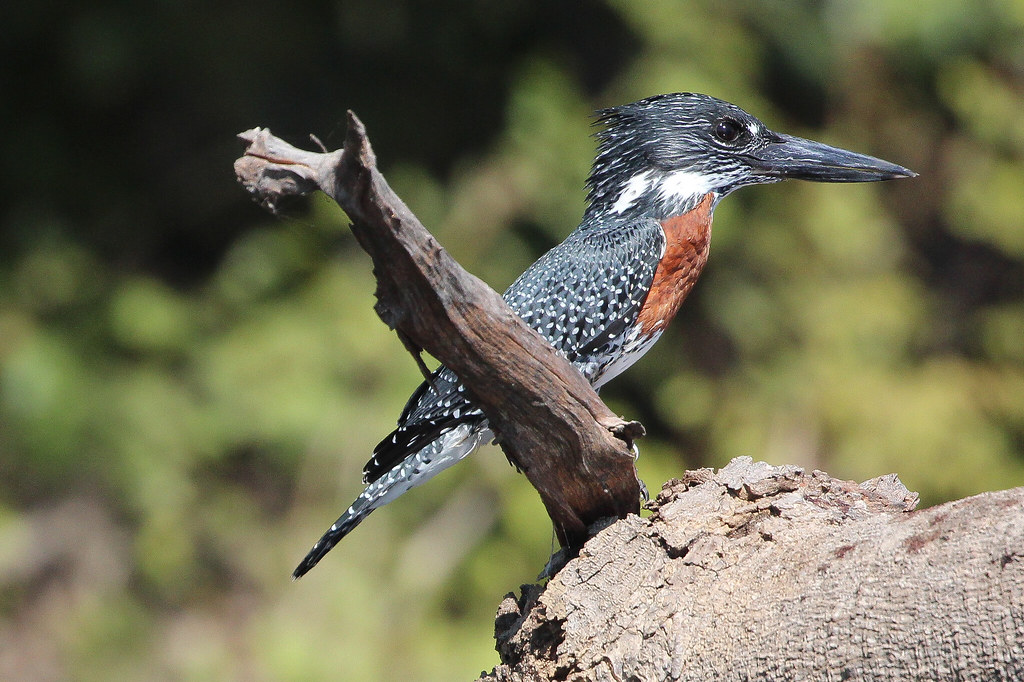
[417,468]
[353,516]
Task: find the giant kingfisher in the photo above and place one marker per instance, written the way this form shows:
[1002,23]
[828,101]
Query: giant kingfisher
[604,296]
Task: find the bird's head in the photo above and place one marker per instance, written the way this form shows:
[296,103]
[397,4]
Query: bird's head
[662,155]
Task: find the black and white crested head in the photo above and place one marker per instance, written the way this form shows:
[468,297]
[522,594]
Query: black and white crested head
[662,155]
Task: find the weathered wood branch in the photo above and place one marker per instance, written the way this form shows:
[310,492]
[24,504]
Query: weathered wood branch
[767,573]
[550,422]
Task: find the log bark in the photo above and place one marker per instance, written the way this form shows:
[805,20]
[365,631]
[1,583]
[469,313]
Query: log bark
[757,572]
[548,420]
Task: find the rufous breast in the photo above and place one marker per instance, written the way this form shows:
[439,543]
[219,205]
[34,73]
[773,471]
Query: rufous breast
[687,240]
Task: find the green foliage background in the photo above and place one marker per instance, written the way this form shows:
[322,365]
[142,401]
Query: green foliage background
[189,387]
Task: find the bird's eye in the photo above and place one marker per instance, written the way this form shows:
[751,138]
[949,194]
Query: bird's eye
[727,130]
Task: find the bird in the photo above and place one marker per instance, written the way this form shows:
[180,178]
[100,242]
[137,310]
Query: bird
[605,295]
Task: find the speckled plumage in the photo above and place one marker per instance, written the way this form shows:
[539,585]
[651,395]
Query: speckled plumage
[583,296]
[663,164]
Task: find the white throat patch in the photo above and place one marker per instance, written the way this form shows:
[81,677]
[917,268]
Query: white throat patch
[683,184]
[676,187]
[634,189]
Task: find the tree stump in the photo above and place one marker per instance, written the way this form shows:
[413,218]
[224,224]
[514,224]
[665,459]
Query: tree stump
[758,572]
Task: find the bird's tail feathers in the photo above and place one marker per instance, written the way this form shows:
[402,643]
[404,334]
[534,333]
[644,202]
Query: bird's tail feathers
[414,470]
[349,520]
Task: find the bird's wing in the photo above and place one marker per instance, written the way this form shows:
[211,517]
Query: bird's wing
[583,296]
[435,408]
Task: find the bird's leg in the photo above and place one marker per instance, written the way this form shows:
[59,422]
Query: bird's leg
[625,431]
[417,356]
[629,432]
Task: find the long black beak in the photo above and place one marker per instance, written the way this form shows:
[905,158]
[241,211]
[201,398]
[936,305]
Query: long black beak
[797,158]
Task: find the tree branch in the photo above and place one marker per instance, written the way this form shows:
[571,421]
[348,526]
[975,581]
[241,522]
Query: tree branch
[550,422]
[767,573]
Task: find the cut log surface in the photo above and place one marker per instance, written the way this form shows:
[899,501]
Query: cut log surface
[758,572]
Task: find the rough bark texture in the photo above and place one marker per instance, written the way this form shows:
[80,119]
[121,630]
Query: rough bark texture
[767,573]
[549,421]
